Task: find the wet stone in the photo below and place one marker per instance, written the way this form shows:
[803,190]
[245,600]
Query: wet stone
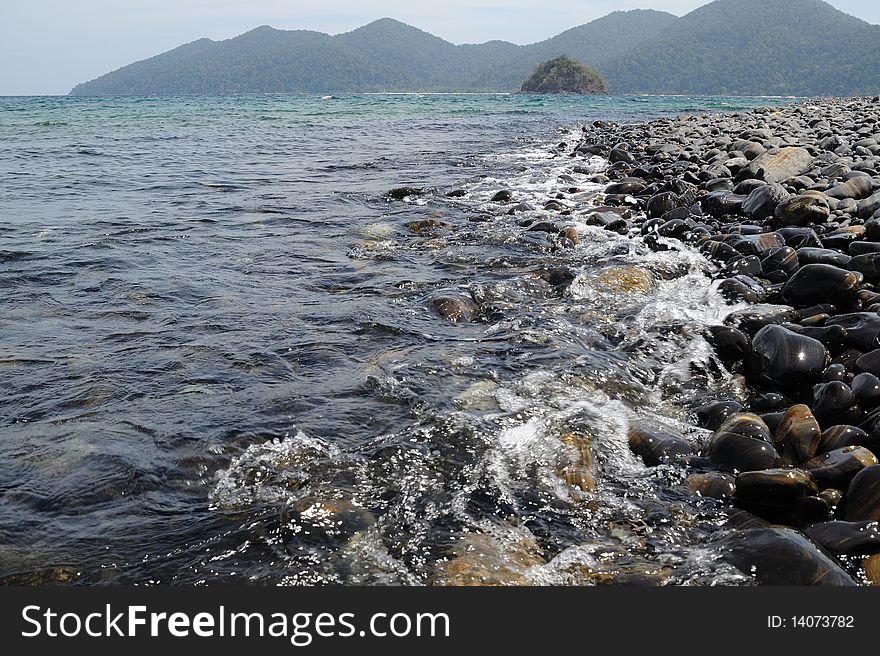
[750,320]
[846,538]
[841,436]
[863,496]
[834,403]
[742,443]
[798,435]
[832,496]
[781,556]
[814,255]
[731,345]
[809,510]
[869,363]
[456,309]
[774,486]
[862,329]
[657,446]
[866,387]
[837,468]
[712,415]
[714,485]
[821,283]
[786,358]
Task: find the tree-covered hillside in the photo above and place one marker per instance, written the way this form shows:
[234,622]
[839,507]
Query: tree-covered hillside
[747,47]
[564,75]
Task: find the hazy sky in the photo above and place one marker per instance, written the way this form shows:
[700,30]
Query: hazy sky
[48,46]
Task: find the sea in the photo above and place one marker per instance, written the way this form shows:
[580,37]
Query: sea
[227,356]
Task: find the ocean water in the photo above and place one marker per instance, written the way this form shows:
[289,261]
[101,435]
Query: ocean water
[223,355]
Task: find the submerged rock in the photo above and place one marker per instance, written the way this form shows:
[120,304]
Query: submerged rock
[657,446]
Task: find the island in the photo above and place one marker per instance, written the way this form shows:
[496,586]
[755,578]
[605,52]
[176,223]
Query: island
[564,75]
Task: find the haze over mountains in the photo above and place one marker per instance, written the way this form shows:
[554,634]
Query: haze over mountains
[728,47]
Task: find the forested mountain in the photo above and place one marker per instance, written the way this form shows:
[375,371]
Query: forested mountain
[774,47]
[784,47]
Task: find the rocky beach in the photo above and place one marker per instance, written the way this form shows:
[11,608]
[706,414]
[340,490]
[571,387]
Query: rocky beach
[786,202]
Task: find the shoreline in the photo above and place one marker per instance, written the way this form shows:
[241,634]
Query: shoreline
[786,201]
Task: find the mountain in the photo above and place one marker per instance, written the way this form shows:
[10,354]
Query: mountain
[564,75]
[385,55]
[755,47]
[727,47]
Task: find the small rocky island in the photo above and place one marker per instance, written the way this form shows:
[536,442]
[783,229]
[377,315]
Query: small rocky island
[564,75]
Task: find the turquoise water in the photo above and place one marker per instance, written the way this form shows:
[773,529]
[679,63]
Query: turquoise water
[222,360]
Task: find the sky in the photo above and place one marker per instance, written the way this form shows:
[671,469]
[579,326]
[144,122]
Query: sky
[48,46]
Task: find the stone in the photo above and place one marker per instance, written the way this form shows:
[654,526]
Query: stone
[778,167]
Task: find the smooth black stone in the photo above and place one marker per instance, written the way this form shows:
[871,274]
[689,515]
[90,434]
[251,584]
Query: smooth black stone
[762,201]
[811,255]
[846,538]
[863,496]
[721,203]
[502,196]
[821,283]
[742,288]
[772,419]
[656,446]
[783,258]
[834,403]
[626,186]
[869,362]
[757,244]
[786,358]
[781,556]
[712,415]
[730,344]
[675,229]
[868,265]
[742,443]
[749,265]
[863,247]
[751,320]
[774,486]
[862,329]
[660,204]
[620,155]
[720,251]
[809,510]
[399,193]
[767,402]
[840,240]
[830,336]
[841,436]
[837,468]
[799,238]
[836,372]
[744,520]
[797,437]
[832,496]
[715,485]
[801,210]
[866,387]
